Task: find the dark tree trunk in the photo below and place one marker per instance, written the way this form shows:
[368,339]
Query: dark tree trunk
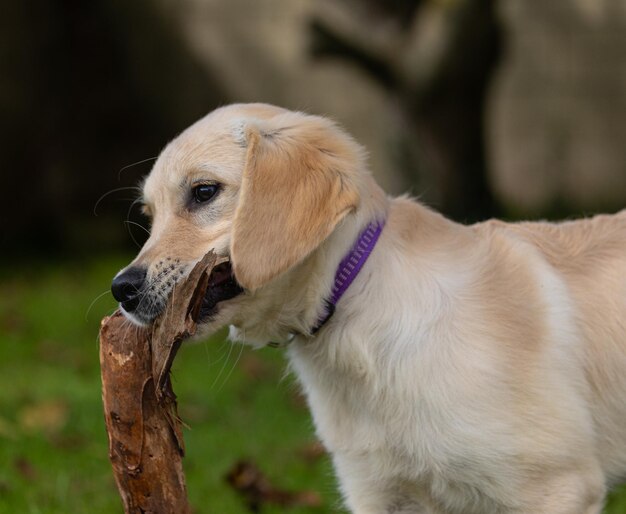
[445,105]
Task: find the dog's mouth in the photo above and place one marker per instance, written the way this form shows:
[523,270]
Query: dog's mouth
[222,286]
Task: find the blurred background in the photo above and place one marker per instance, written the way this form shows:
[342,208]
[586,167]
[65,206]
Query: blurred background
[510,108]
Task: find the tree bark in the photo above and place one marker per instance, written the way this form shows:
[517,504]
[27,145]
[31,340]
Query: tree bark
[145,433]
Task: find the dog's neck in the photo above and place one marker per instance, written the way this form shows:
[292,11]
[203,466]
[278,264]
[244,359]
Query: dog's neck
[349,269]
[296,301]
[327,259]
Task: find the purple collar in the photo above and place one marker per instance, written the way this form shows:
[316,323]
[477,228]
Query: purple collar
[349,268]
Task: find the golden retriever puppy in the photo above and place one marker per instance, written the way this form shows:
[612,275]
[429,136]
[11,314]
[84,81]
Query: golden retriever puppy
[448,368]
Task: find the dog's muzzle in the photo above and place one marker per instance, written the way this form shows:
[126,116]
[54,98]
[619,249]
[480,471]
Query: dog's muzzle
[143,299]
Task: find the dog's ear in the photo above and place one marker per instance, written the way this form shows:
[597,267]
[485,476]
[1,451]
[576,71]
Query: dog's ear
[298,183]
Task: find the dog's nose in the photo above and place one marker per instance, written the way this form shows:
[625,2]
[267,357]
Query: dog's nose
[127,285]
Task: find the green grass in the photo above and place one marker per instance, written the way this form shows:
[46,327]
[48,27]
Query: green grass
[53,446]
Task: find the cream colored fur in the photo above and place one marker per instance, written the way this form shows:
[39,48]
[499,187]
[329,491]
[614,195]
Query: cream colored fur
[468,369]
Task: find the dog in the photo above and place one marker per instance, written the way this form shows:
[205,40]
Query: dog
[453,369]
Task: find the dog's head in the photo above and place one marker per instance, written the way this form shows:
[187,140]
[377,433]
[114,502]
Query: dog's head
[258,184]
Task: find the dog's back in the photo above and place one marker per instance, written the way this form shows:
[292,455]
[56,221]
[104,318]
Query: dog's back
[590,256]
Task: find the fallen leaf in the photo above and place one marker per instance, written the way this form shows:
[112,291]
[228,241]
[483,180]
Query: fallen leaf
[25,469]
[48,416]
[12,321]
[298,400]
[254,367]
[69,441]
[256,489]
[194,413]
[312,452]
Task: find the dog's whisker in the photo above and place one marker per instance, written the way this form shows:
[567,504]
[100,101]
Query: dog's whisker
[94,302]
[171,302]
[230,350]
[124,168]
[128,222]
[206,352]
[143,296]
[135,201]
[138,225]
[221,352]
[106,315]
[236,360]
[126,188]
[126,326]
[241,347]
[130,233]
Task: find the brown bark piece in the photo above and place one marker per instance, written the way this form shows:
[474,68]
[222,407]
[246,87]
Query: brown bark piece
[145,435]
[178,322]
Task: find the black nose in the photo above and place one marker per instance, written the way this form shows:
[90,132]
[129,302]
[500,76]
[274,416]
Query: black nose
[127,286]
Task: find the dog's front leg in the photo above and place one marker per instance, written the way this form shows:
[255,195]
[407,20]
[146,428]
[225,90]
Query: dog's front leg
[580,491]
[367,489]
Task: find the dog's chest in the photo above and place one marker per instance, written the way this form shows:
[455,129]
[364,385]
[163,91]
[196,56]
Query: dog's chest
[415,423]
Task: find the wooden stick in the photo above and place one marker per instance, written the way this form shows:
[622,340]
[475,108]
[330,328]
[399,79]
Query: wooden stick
[145,435]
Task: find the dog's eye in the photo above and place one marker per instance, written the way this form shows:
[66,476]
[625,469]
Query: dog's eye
[204,192]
